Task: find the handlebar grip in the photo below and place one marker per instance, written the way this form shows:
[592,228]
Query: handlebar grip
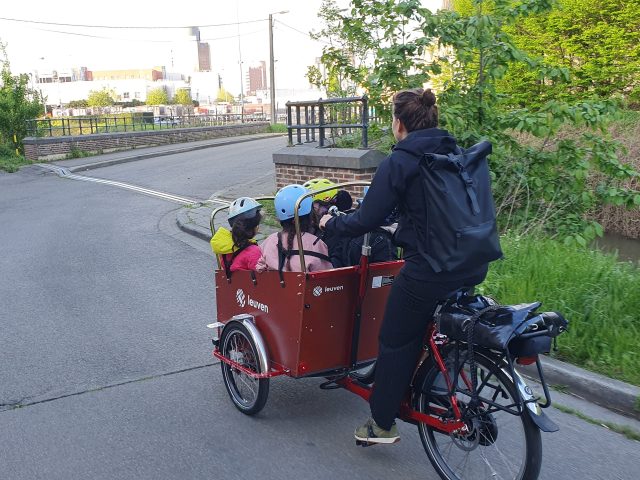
[334,212]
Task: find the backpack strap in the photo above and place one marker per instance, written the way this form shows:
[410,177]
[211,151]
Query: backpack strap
[468,182]
[283,254]
[281,259]
[229,261]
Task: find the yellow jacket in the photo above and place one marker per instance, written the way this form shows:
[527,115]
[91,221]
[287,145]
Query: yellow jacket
[222,242]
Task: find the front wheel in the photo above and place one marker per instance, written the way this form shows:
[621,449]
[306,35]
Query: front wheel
[497,444]
[248,394]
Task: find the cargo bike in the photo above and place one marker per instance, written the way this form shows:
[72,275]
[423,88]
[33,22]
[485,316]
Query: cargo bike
[476,416]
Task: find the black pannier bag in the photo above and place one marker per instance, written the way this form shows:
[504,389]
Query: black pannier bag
[461,231]
[518,328]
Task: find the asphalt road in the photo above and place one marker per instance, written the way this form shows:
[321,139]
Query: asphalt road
[103,346]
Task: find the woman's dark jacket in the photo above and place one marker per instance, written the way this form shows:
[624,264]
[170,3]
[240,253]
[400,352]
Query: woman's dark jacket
[397,183]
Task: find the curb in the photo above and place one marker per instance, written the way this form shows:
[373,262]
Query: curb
[188,226]
[611,394]
[142,156]
[614,395]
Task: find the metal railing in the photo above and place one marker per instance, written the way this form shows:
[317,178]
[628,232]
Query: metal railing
[130,122]
[339,117]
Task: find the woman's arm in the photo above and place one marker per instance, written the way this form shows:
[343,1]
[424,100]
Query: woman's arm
[380,201]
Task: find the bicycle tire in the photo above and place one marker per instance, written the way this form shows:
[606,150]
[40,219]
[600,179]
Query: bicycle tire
[248,394]
[478,454]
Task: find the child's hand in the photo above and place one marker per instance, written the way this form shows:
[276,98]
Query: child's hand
[324,220]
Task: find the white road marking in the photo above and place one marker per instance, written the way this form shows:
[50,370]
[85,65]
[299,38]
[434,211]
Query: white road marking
[65,173]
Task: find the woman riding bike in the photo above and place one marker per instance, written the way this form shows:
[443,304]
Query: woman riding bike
[418,288]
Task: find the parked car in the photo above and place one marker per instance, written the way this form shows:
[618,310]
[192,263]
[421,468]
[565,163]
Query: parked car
[166,121]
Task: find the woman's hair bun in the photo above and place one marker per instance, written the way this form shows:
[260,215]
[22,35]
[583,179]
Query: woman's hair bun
[428,98]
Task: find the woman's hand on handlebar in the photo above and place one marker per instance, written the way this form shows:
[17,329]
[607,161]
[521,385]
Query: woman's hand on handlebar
[324,220]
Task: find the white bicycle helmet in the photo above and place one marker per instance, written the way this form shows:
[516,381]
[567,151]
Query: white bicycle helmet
[285,202]
[243,207]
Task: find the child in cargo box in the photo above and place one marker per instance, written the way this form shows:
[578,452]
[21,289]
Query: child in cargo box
[280,250]
[237,248]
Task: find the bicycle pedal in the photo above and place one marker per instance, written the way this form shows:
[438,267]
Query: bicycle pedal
[363,444]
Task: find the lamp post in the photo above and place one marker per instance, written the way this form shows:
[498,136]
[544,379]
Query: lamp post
[272,85]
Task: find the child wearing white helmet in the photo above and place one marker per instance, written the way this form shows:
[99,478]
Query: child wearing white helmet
[237,248]
[280,250]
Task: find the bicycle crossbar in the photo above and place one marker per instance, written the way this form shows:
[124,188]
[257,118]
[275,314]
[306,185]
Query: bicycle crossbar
[275,372]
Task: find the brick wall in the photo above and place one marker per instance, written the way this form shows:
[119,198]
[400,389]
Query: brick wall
[51,148]
[287,174]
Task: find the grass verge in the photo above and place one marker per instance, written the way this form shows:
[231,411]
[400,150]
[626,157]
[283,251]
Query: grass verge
[598,294]
[13,163]
[277,128]
[625,430]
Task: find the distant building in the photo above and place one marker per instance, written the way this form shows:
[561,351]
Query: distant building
[256,78]
[204,57]
[151,74]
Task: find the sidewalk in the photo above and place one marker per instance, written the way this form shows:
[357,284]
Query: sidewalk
[114,158]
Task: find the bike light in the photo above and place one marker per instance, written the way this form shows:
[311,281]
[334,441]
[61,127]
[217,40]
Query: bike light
[526,360]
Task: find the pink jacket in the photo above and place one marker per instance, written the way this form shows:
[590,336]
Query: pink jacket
[246,259]
[269,259]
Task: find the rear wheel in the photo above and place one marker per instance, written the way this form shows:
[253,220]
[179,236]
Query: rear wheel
[248,394]
[497,444]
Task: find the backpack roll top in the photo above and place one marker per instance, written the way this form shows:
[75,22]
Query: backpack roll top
[461,231]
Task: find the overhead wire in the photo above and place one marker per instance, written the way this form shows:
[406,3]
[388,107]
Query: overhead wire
[129,26]
[103,37]
[306,34]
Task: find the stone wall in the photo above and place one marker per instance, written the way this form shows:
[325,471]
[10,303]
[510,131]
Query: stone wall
[298,164]
[53,148]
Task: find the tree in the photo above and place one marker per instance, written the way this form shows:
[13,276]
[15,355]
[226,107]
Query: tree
[157,96]
[597,42]
[18,103]
[542,180]
[78,104]
[224,95]
[182,97]
[100,98]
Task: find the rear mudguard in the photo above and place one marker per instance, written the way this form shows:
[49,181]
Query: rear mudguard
[248,322]
[537,415]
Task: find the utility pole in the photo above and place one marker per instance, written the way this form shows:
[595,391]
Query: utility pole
[272,76]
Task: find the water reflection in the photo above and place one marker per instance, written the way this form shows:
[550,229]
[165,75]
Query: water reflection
[628,248]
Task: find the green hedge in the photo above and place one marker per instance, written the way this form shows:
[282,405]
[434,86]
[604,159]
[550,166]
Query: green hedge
[599,295]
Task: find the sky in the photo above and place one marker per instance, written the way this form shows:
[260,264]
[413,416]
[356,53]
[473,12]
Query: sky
[38,47]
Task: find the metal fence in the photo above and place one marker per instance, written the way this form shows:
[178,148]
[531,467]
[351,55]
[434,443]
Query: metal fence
[131,122]
[333,119]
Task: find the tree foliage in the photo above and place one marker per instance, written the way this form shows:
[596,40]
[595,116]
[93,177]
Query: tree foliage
[224,95]
[552,161]
[182,97]
[100,98]
[157,96]
[18,103]
[78,104]
[596,44]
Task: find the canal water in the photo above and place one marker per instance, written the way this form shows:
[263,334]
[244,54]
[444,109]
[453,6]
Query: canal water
[628,248]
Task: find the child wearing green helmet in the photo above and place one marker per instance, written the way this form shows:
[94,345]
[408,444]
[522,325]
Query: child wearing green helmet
[237,248]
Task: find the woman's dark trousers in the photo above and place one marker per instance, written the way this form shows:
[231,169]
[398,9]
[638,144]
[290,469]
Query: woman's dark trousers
[409,310]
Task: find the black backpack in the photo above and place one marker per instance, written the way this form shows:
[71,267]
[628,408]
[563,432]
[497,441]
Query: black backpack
[461,231]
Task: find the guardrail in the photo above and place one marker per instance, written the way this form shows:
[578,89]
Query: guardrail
[73,126]
[340,116]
